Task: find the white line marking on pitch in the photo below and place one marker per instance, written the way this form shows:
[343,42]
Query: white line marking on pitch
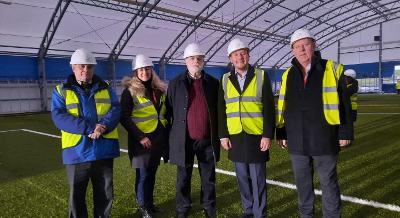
[56,136]
[11,130]
[375,204]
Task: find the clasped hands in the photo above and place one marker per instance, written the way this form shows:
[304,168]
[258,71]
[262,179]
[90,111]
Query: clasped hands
[98,131]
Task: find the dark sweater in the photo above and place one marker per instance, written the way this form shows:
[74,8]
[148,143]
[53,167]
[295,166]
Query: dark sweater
[197,116]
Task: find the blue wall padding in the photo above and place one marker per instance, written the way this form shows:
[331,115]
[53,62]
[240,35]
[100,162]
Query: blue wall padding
[18,68]
[26,68]
[371,69]
[389,88]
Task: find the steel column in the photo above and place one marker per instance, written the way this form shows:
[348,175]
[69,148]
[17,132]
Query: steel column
[51,29]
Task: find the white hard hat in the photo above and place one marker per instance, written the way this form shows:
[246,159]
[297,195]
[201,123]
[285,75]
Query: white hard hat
[300,34]
[82,56]
[351,73]
[141,61]
[236,44]
[193,49]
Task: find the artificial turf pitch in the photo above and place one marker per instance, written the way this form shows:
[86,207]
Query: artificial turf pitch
[33,180]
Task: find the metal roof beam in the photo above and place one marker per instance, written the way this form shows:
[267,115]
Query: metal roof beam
[239,26]
[316,21]
[131,28]
[164,14]
[51,29]
[375,6]
[340,25]
[364,24]
[195,23]
[283,22]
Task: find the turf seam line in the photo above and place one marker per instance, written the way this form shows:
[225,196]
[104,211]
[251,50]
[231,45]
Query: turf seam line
[375,204]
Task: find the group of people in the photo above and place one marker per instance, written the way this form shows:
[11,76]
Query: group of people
[194,117]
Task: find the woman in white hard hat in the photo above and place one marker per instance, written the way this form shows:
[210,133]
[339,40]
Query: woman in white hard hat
[143,111]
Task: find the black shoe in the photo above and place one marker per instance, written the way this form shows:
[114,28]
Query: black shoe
[145,212]
[245,215]
[154,209]
[209,213]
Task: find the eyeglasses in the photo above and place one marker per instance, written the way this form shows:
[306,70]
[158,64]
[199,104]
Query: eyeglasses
[83,66]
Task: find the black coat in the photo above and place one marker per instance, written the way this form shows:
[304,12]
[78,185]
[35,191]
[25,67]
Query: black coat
[138,155]
[306,129]
[246,147]
[177,105]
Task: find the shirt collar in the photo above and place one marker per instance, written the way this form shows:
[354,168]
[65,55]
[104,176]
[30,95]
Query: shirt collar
[239,76]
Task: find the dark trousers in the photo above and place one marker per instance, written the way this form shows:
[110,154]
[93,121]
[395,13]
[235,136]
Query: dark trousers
[304,171]
[144,185]
[253,189]
[203,150]
[100,173]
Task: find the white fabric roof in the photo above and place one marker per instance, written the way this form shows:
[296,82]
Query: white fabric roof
[23,24]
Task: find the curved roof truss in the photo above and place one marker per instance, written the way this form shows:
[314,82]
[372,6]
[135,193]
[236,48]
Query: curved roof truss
[240,25]
[190,28]
[365,24]
[342,24]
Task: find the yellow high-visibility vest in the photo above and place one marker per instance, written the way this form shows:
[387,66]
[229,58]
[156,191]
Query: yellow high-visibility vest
[330,96]
[398,84]
[103,105]
[145,116]
[244,111]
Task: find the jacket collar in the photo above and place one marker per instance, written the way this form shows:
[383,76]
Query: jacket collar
[184,76]
[316,64]
[250,72]
[97,82]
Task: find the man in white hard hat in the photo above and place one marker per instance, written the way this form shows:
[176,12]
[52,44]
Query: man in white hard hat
[87,112]
[314,122]
[352,89]
[143,117]
[246,126]
[192,104]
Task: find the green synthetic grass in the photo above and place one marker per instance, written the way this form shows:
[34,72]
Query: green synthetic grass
[33,180]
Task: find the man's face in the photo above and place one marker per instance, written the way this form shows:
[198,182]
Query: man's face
[144,73]
[83,72]
[303,50]
[195,63]
[240,58]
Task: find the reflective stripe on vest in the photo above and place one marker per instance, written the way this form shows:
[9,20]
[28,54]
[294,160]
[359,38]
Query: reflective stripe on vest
[244,112]
[145,116]
[103,105]
[354,98]
[330,96]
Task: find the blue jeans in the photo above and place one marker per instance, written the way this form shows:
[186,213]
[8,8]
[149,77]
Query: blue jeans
[144,185]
